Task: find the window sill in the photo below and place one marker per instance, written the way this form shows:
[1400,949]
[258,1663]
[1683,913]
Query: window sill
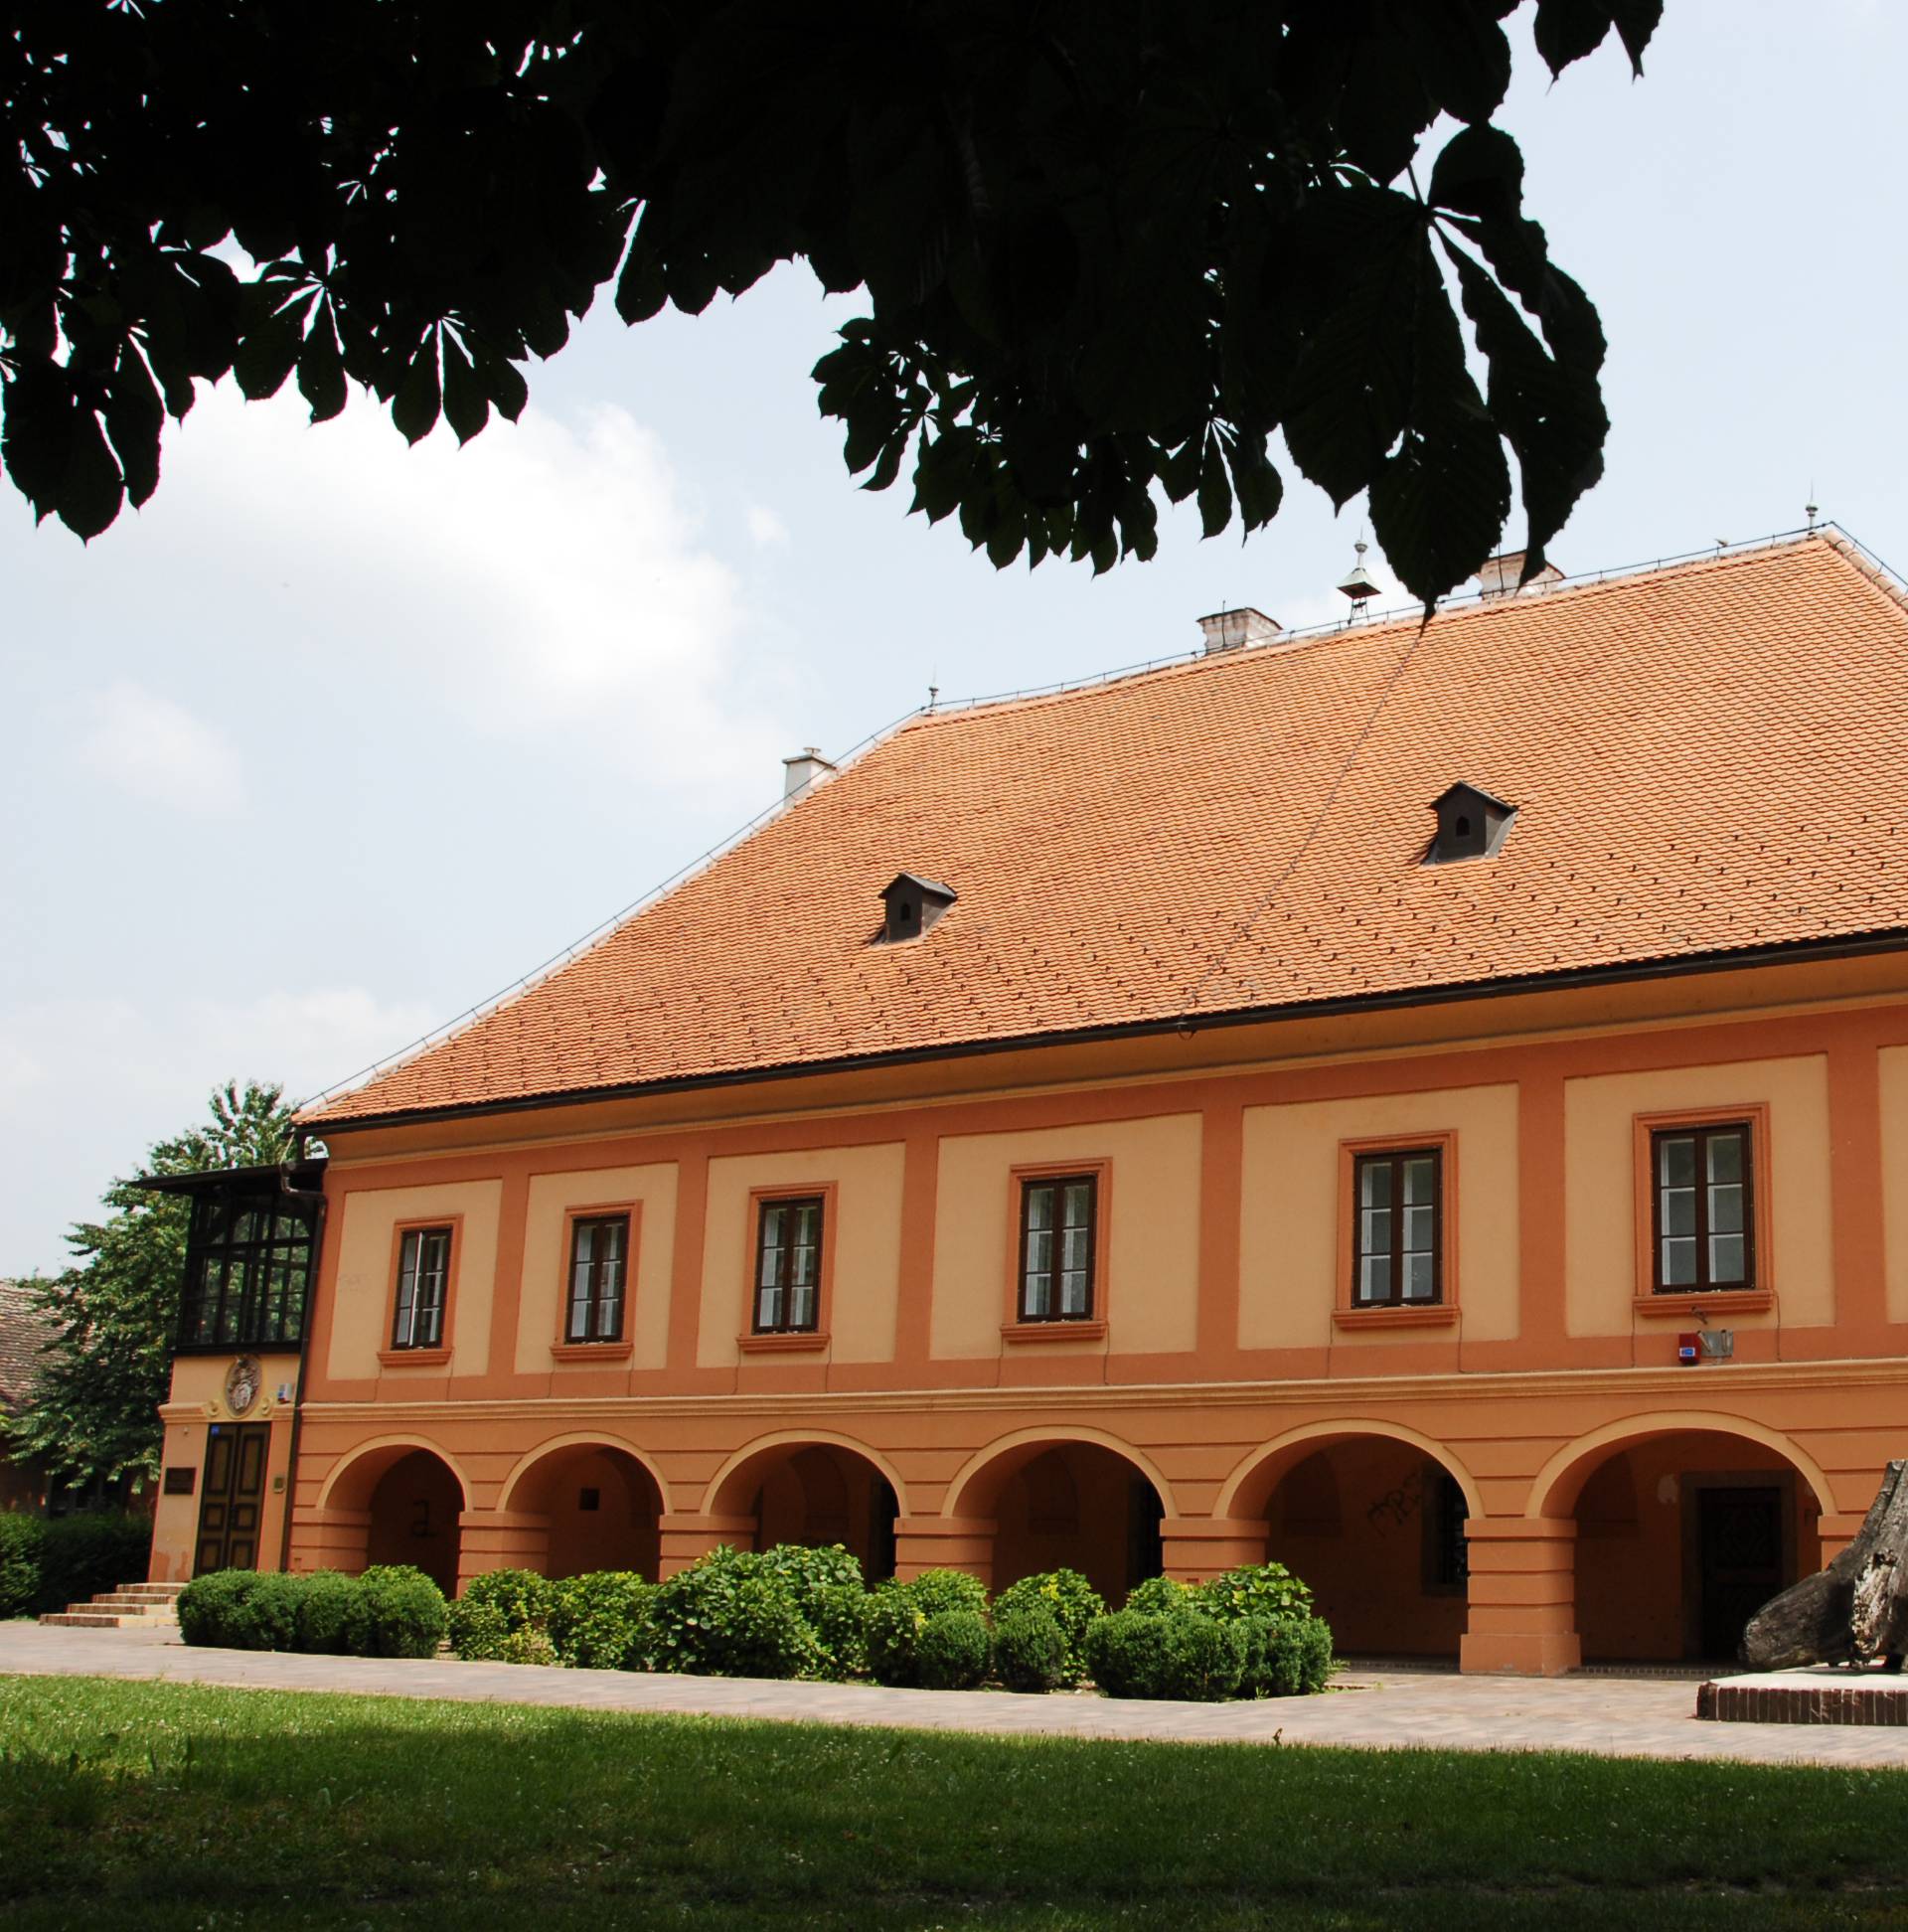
[1061,1331]
[1430,1315]
[787,1341]
[414,1357]
[1683,1303]
[592,1350]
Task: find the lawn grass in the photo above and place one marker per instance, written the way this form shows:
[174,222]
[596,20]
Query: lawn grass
[172,1806]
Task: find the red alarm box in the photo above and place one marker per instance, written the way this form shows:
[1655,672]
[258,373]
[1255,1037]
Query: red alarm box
[1687,1349]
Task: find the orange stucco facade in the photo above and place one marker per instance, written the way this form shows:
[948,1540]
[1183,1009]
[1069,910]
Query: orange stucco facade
[1523,1476]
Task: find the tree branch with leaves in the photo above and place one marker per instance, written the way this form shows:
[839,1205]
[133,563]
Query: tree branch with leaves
[1110,253]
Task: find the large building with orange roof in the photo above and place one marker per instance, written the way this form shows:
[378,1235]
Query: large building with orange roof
[1425,1102]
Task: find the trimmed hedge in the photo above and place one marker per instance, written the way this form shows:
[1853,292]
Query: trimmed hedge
[1029,1648]
[953,1650]
[1183,1655]
[48,1562]
[1072,1603]
[897,1615]
[795,1611]
[734,1614]
[391,1611]
[495,1607]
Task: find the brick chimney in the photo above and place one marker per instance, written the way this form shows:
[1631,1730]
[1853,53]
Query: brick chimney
[1498,577]
[1231,630]
[806,767]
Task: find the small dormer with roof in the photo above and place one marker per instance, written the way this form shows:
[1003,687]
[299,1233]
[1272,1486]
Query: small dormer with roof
[1471,824]
[913,904]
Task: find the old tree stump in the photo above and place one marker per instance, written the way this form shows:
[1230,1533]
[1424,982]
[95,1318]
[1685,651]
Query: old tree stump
[1854,1611]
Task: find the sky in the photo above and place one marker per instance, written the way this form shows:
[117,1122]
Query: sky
[336,740]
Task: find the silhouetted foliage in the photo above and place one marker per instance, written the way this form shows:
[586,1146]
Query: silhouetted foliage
[1103,247]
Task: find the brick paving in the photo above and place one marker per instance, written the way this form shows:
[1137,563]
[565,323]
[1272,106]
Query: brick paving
[1385,1707]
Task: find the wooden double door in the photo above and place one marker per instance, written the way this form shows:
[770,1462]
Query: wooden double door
[231,1498]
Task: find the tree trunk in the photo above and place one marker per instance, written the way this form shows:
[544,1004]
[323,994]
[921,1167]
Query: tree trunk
[1856,1608]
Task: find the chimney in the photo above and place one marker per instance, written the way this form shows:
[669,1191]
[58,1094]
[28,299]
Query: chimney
[1498,577]
[806,768]
[1229,630]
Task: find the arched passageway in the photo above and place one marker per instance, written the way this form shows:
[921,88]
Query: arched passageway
[813,1492]
[1068,1505]
[1377,1528]
[1682,1537]
[413,1509]
[1374,1522]
[601,1505]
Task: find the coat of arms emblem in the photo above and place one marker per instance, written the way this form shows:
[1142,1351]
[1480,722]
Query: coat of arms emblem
[243,1381]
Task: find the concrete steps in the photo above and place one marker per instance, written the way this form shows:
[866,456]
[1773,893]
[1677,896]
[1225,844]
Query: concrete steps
[141,1606]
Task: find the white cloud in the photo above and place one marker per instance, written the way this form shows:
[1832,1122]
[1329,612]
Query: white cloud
[160,753]
[765,528]
[549,574]
[156,1063]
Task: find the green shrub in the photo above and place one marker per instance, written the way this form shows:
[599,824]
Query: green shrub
[324,1615]
[1256,1591]
[398,1612]
[1159,1596]
[1125,1653]
[953,1650]
[1297,1658]
[1288,1648]
[496,1605]
[85,1554]
[597,1621]
[734,1614]
[478,1631]
[892,1625]
[23,1541]
[895,1615]
[830,1594]
[1029,1648]
[527,1645]
[46,1564]
[835,1612]
[935,1590]
[211,1608]
[1185,1655]
[1069,1599]
[267,1615]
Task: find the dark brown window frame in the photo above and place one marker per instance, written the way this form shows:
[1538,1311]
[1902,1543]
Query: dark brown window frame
[594,1296]
[247,1273]
[1089,1180]
[1394,1157]
[783,1252]
[1702,1132]
[400,1307]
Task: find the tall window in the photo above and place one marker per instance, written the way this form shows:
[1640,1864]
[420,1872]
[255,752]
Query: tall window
[1398,1258]
[598,1263]
[1058,1234]
[1704,1229]
[423,1283]
[248,1267]
[788,1266]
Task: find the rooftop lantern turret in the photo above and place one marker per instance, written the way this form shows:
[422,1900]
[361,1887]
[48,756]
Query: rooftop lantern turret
[1359,584]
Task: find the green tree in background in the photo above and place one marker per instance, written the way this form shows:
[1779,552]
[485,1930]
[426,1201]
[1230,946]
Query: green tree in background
[93,1411]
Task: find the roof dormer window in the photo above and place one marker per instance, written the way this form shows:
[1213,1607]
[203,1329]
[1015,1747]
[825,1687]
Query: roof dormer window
[1471,824]
[913,904]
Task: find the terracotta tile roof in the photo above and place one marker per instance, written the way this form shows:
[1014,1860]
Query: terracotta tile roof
[1704,757]
[23,1334]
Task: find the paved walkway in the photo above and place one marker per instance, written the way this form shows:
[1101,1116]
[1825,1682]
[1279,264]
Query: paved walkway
[1384,1707]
